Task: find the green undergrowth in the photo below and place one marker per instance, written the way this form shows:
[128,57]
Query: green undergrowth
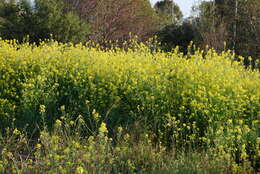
[65,151]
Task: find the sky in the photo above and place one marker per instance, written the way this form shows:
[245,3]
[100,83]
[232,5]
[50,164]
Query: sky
[185,5]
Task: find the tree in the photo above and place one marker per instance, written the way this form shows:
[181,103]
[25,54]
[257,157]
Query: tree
[177,35]
[210,25]
[237,22]
[246,28]
[47,17]
[113,20]
[173,31]
[64,25]
[13,19]
[168,11]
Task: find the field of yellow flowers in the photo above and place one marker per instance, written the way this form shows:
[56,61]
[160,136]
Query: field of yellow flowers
[156,101]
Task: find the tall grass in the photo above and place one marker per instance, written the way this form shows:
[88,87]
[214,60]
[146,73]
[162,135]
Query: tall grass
[64,151]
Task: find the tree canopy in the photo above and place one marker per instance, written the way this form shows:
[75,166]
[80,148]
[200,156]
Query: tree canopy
[43,20]
[168,11]
[113,20]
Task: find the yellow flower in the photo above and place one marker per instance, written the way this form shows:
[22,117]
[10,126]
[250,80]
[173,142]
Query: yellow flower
[67,150]
[90,138]
[72,123]
[258,140]
[38,146]
[62,108]
[229,121]
[238,129]
[120,129]
[81,120]
[42,109]
[16,132]
[79,170]
[58,122]
[117,149]
[96,115]
[103,128]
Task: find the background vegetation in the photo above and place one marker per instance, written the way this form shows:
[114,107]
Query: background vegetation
[234,22]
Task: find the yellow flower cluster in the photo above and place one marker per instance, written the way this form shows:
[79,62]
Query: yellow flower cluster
[183,96]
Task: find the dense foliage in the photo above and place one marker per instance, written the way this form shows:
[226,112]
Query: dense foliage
[186,34]
[235,22]
[202,100]
[42,20]
[168,11]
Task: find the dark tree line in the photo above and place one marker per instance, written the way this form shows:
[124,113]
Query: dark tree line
[77,20]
